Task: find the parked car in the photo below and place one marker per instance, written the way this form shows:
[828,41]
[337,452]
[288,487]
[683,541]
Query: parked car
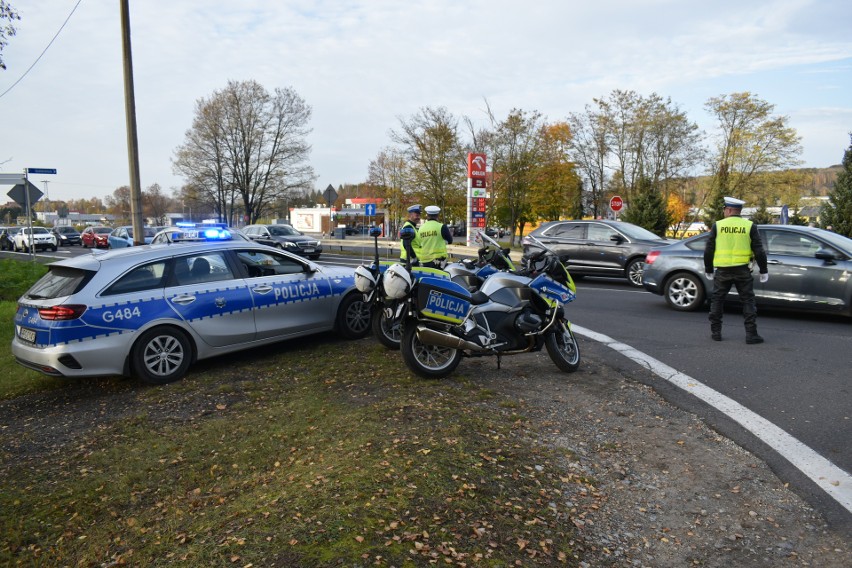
[597,247]
[7,240]
[152,311]
[122,237]
[809,269]
[38,238]
[95,237]
[67,236]
[285,237]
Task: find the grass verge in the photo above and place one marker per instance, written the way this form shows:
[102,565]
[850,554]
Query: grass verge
[297,457]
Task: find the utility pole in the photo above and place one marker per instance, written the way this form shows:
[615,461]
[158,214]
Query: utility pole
[130,116]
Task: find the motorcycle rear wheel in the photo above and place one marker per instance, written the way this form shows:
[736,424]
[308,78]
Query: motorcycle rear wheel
[387,331]
[429,361]
[563,348]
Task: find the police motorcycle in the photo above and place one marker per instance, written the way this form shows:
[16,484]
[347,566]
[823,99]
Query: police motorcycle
[385,311]
[511,313]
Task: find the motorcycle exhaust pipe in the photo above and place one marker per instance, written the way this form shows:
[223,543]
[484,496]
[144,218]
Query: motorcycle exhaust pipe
[443,339]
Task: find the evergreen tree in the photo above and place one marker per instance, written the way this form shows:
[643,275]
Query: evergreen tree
[762,215]
[837,213]
[649,209]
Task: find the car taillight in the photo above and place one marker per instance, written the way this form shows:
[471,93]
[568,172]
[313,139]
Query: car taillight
[652,256]
[62,313]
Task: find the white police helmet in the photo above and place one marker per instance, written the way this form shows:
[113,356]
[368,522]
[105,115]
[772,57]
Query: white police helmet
[364,279]
[396,281]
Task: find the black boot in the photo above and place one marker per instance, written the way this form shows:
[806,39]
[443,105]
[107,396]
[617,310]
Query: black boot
[716,332]
[751,335]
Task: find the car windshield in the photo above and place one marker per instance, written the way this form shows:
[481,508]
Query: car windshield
[64,230]
[103,230]
[283,231]
[636,232]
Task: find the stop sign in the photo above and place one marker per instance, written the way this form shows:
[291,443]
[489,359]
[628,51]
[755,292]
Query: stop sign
[616,203]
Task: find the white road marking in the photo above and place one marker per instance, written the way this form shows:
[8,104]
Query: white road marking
[830,478]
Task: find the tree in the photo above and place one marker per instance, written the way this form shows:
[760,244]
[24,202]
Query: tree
[249,145]
[515,150]
[625,138]
[436,161]
[7,30]
[649,209]
[156,204]
[762,216]
[118,204]
[389,174]
[837,213]
[556,191]
[750,141]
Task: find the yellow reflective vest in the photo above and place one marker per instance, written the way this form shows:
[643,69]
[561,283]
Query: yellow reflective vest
[415,243]
[432,244]
[733,242]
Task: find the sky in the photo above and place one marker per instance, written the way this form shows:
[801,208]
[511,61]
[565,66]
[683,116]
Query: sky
[364,65]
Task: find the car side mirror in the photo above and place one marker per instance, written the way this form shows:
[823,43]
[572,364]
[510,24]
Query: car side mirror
[826,255]
[616,238]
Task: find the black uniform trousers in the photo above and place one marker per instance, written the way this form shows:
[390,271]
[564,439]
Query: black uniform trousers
[723,279]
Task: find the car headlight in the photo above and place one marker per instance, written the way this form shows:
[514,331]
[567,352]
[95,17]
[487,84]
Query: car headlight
[291,245]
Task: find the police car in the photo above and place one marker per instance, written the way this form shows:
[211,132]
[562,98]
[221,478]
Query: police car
[153,310]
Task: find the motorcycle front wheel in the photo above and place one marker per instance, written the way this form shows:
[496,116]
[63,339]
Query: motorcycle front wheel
[429,361]
[563,348]
[385,329]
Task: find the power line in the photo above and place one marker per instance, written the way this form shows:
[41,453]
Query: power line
[12,86]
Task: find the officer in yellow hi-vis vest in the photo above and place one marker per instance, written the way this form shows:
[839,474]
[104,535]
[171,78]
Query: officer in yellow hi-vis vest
[434,237]
[733,243]
[412,221]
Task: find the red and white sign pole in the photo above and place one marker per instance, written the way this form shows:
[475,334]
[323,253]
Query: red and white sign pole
[616,204]
[476,195]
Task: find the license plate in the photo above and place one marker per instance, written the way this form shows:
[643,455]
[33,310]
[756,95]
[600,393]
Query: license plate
[309,250]
[28,335]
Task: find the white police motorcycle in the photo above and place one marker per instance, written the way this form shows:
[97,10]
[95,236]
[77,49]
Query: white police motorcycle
[509,314]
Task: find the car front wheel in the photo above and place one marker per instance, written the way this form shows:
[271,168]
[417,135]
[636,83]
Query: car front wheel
[685,292]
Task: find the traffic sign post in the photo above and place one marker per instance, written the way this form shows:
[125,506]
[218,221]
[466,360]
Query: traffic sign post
[616,204]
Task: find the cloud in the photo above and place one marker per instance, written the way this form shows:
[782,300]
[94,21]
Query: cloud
[363,65]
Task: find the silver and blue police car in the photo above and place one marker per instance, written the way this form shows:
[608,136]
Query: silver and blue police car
[151,311]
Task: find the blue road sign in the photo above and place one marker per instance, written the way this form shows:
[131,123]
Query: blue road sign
[41,170]
[370,209]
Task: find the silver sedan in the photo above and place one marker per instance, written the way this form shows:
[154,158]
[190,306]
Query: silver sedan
[809,269]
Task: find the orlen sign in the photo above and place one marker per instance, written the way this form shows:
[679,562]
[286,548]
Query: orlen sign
[476,166]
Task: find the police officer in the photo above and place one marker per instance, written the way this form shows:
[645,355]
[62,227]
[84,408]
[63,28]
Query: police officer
[412,221]
[434,238]
[733,243]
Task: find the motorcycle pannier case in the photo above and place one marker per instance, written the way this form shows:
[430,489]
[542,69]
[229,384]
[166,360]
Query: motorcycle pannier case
[442,300]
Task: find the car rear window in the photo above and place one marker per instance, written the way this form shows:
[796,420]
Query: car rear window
[60,281]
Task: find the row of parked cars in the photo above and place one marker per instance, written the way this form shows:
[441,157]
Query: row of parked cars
[810,269]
